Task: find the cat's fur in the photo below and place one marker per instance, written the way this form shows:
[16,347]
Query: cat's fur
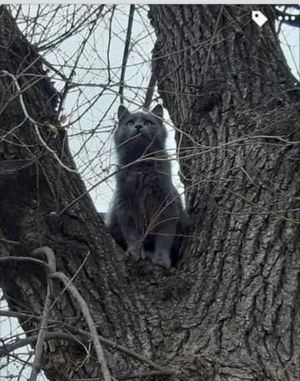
[146,216]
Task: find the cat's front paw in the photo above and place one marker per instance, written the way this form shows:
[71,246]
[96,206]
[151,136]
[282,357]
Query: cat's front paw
[134,250]
[162,259]
[146,254]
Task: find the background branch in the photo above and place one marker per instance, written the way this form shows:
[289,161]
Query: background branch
[126,52]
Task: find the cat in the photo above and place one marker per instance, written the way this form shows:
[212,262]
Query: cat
[146,217]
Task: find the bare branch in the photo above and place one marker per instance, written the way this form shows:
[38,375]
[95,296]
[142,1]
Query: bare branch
[126,52]
[36,365]
[86,313]
[35,123]
[19,343]
[109,343]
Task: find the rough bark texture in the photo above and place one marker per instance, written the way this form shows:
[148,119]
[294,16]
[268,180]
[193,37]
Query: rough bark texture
[230,311]
[228,89]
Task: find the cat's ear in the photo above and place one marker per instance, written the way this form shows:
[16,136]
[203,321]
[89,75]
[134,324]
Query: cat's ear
[158,111]
[123,112]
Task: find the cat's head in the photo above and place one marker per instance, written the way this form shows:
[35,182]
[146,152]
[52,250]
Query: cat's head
[140,133]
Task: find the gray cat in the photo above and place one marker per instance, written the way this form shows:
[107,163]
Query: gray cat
[146,217]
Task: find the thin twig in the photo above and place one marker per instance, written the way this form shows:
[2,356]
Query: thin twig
[93,333]
[35,123]
[19,343]
[9,241]
[126,52]
[109,343]
[146,374]
[109,42]
[24,259]
[82,303]
[132,376]
[72,73]
[73,290]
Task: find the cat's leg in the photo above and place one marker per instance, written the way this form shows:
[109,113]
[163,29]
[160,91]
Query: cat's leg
[113,227]
[133,236]
[164,237]
[135,249]
[148,247]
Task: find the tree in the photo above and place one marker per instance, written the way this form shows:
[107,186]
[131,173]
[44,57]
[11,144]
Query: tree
[230,310]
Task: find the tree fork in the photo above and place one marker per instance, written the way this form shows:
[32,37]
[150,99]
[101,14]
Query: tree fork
[230,311]
[137,305]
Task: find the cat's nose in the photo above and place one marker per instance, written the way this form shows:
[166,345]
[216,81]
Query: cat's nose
[138,126]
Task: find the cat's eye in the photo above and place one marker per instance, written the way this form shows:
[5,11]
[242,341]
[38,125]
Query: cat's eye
[130,124]
[147,123]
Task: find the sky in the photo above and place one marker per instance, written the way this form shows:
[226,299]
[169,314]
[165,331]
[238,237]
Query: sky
[91,141]
[95,157]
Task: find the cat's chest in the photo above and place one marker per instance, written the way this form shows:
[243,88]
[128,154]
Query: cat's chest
[138,181]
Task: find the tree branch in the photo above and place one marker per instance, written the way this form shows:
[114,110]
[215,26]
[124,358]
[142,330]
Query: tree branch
[35,123]
[36,365]
[126,52]
[83,306]
[19,343]
[109,343]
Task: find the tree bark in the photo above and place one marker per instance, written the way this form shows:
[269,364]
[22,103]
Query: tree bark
[235,103]
[230,310]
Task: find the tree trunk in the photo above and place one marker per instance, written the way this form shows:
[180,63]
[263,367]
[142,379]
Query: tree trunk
[230,93]
[230,310]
